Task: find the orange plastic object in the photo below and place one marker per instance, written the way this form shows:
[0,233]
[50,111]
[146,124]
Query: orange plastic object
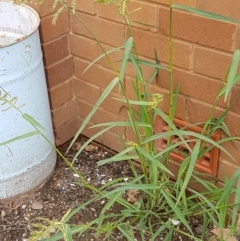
[208,163]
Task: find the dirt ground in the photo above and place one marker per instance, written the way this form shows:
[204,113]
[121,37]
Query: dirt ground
[61,193]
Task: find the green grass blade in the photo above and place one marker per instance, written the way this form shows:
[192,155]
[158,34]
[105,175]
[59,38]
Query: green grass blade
[120,156]
[59,236]
[145,24]
[232,73]
[127,52]
[30,119]
[107,206]
[236,80]
[89,141]
[236,200]
[136,67]
[155,71]
[205,14]
[228,187]
[193,160]
[175,98]
[134,102]
[117,159]
[102,56]
[126,231]
[68,233]
[172,126]
[176,210]
[169,235]
[155,162]
[121,123]
[21,137]
[153,65]
[207,140]
[158,231]
[94,109]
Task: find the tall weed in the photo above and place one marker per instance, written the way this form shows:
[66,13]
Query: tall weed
[166,201]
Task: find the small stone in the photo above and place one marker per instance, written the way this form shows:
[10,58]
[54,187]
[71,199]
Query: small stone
[3,214]
[53,230]
[24,206]
[27,215]
[93,209]
[37,206]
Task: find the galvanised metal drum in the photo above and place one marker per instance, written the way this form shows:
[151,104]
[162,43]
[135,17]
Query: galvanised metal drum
[27,163]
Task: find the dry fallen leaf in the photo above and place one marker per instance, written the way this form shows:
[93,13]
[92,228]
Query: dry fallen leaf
[131,195]
[77,146]
[212,238]
[225,232]
[91,148]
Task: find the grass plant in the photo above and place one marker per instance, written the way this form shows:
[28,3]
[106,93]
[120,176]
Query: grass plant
[166,202]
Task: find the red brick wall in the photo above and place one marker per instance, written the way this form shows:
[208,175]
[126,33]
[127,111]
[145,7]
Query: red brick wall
[58,63]
[202,50]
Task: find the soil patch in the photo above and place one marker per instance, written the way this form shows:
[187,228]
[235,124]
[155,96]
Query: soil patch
[62,193]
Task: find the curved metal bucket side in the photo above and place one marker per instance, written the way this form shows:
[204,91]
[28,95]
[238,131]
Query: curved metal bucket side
[27,163]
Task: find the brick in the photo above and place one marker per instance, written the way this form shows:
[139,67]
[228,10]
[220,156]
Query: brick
[86,6]
[223,7]
[165,104]
[232,121]
[198,111]
[105,31]
[197,29]
[43,9]
[211,63]
[61,94]
[195,111]
[234,97]
[65,132]
[237,38]
[83,47]
[131,136]
[48,31]
[56,50]
[100,116]
[59,72]
[192,85]
[103,116]
[226,168]
[86,91]
[46,8]
[234,152]
[181,51]
[111,12]
[88,131]
[190,3]
[112,140]
[84,108]
[64,113]
[174,168]
[96,74]
[116,58]
[113,106]
[232,195]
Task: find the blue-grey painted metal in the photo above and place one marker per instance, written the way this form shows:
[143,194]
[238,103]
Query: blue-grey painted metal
[24,164]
